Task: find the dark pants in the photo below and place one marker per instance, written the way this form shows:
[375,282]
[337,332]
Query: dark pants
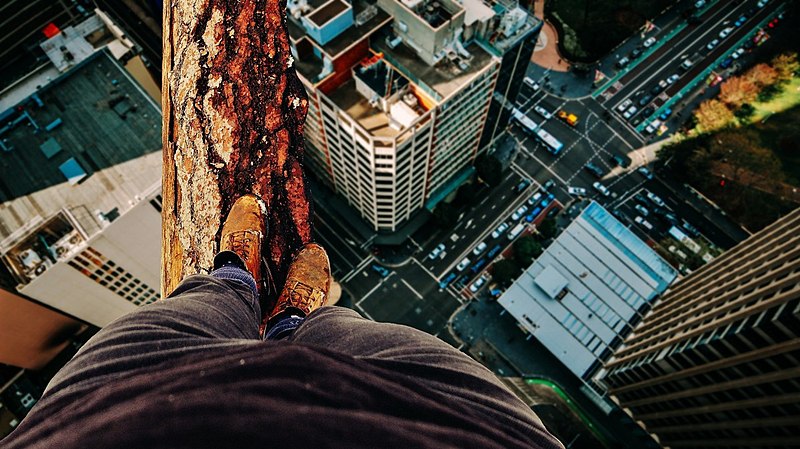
[206,311]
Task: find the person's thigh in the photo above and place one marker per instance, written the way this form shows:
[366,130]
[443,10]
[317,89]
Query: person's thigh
[203,311]
[344,330]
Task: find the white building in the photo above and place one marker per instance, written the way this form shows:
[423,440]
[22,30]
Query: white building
[80,171]
[584,294]
[399,93]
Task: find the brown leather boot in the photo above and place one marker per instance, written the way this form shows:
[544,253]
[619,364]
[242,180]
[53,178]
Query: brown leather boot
[307,284]
[242,233]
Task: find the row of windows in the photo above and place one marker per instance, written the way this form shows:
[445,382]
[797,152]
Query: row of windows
[94,265]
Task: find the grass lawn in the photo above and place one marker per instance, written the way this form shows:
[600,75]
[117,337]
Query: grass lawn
[600,25]
[789,98]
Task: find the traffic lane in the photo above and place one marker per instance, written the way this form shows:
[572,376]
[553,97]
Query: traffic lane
[482,221]
[343,255]
[363,282]
[399,299]
[725,45]
[667,57]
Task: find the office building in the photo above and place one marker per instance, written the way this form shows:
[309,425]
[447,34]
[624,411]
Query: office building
[80,170]
[716,362]
[399,92]
[594,282]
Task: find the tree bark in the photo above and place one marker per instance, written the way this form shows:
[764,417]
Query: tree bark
[234,110]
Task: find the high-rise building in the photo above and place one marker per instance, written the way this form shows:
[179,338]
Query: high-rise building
[716,362]
[399,92]
[80,170]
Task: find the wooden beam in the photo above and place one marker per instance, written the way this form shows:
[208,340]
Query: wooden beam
[234,110]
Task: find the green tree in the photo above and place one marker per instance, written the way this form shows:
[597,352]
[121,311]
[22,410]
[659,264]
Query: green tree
[489,169]
[745,112]
[769,92]
[526,249]
[505,271]
[547,229]
[445,215]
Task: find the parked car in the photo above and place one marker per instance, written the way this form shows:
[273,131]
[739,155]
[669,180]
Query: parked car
[500,230]
[648,111]
[602,189]
[652,127]
[737,53]
[649,42]
[624,61]
[687,63]
[479,249]
[478,265]
[762,3]
[534,213]
[644,223]
[624,105]
[726,63]
[494,251]
[645,172]
[672,78]
[577,191]
[479,283]
[381,270]
[543,112]
[447,280]
[519,212]
[629,113]
[594,170]
[534,198]
[740,21]
[549,184]
[699,4]
[436,251]
[655,199]
[665,114]
[642,210]
[636,53]
[516,231]
[646,99]
[463,264]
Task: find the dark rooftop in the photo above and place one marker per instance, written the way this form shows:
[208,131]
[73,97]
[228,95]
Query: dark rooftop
[329,11]
[93,141]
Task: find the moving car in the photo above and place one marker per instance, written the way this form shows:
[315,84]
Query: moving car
[522,185]
[687,63]
[672,78]
[479,249]
[436,251]
[712,44]
[463,264]
[699,4]
[519,212]
[602,189]
[569,118]
[531,83]
[724,33]
[594,170]
[500,230]
[543,112]
[762,3]
[645,172]
[740,21]
[577,191]
[622,161]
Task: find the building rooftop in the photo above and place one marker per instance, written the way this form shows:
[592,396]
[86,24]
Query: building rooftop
[90,139]
[589,286]
[442,79]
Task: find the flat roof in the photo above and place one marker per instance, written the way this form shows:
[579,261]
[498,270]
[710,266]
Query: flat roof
[610,277]
[93,118]
[349,36]
[444,78]
[372,119]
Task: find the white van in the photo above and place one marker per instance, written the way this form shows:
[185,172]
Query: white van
[516,231]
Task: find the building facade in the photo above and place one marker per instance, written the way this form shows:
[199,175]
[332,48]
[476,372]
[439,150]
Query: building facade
[716,362]
[399,93]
